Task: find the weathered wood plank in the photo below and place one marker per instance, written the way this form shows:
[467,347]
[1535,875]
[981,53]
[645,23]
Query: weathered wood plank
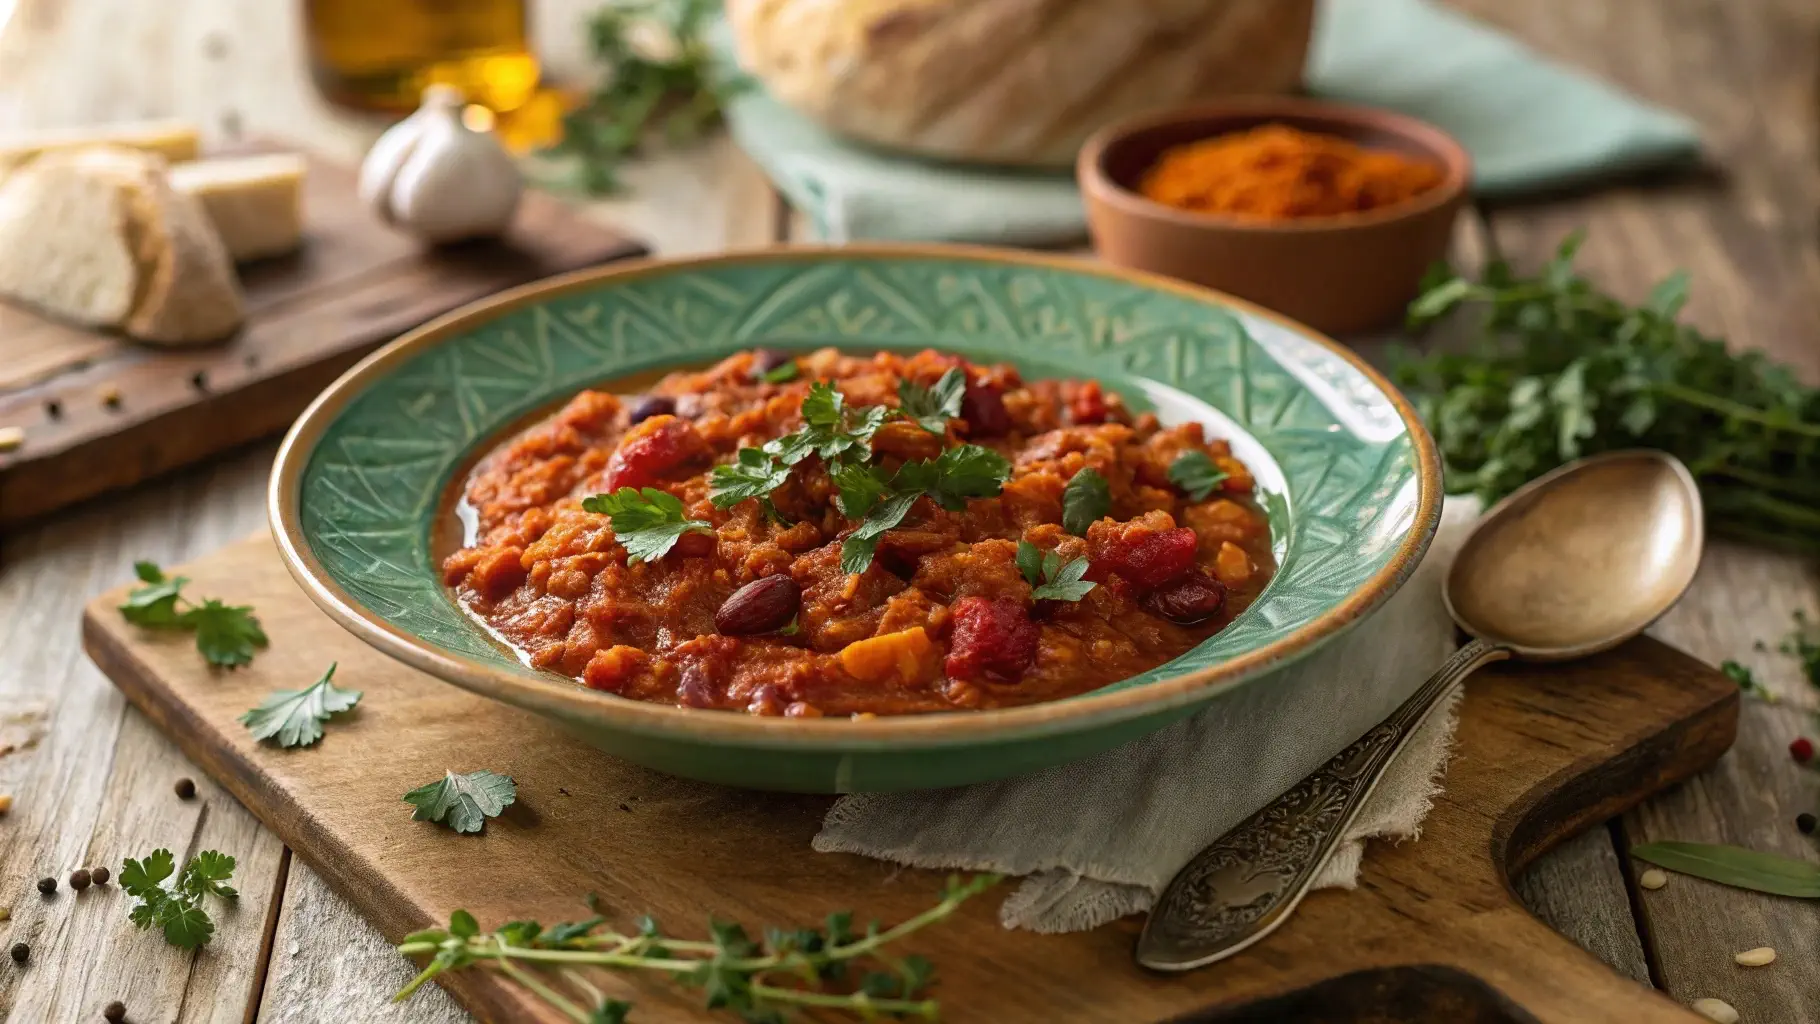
[1746,73]
[92,780]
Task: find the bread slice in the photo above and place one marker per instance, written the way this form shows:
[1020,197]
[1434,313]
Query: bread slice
[66,217]
[64,247]
[255,202]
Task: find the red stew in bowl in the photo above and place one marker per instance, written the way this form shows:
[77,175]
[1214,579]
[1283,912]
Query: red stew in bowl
[834,534]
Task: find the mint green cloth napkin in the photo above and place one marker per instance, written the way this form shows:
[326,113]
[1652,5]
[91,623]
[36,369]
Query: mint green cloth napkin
[1529,123]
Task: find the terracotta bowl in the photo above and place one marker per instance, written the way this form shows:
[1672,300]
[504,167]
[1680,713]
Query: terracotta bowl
[1342,273]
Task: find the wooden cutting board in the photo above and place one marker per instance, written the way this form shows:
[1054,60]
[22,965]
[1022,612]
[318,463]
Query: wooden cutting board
[355,285]
[1433,932]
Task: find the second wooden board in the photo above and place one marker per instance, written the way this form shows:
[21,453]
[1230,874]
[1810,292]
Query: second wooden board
[1433,931]
[100,412]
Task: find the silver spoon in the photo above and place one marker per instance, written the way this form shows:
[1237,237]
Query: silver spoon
[1576,562]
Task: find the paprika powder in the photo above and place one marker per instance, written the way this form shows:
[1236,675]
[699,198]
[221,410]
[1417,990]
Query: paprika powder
[1275,172]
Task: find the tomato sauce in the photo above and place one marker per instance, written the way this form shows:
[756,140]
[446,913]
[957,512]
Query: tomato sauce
[942,619]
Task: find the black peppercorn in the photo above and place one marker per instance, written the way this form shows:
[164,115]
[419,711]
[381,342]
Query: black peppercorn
[99,876]
[79,879]
[47,886]
[1805,822]
[115,1012]
[186,788]
[21,952]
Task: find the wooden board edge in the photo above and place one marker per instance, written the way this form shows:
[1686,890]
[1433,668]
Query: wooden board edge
[104,641]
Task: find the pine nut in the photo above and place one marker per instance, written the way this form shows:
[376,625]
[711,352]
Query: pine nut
[1717,1010]
[1654,878]
[1756,957]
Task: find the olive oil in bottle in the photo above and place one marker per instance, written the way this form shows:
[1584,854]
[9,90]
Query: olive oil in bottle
[380,54]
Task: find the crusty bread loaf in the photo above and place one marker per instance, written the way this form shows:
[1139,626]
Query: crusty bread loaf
[1012,81]
[80,230]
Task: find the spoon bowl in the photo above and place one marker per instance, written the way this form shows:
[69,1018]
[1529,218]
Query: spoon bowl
[1581,559]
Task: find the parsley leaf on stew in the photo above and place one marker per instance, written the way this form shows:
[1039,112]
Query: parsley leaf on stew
[933,407]
[177,910]
[1196,474]
[962,472]
[295,717]
[463,802]
[780,373]
[752,474]
[1086,500]
[227,635]
[859,488]
[646,522]
[1050,578]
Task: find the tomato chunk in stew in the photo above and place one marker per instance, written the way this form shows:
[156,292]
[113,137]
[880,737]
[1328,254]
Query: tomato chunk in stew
[964,601]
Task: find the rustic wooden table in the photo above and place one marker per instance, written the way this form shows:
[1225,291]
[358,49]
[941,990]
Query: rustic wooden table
[91,779]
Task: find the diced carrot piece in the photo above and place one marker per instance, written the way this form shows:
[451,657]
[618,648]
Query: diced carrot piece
[1232,565]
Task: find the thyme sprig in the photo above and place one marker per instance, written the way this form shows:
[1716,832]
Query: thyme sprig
[1566,370]
[761,980]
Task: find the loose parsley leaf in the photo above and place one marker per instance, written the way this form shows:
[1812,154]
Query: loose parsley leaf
[752,474]
[1050,578]
[823,405]
[780,373]
[227,635]
[857,550]
[463,802]
[177,910]
[968,471]
[933,407]
[295,717]
[1086,500]
[647,523]
[1803,645]
[155,604]
[1196,474]
[1747,680]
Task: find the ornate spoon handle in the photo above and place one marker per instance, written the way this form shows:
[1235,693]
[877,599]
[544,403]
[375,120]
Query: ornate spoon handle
[1248,882]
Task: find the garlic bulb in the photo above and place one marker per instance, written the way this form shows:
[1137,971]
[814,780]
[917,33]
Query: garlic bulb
[434,177]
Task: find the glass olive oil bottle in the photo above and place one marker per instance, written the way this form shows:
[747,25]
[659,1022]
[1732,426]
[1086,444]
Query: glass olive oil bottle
[380,54]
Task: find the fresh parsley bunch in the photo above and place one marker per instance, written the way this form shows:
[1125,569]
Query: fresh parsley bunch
[1565,370]
[676,89]
[762,980]
[178,909]
[227,635]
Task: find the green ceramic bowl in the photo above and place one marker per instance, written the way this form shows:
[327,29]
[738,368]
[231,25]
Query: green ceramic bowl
[1350,478]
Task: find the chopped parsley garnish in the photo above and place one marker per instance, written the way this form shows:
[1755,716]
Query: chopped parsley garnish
[646,522]
[1050,578]
[295,717]
[1086,500]
[227,635]
[840,435]
[858,488]
[751,474]
[1196,474]
[933,407]
[178,909]
[963,472]
[463,802]
[1747,681]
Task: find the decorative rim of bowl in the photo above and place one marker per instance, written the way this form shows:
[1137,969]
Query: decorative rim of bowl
[1090,168]
[570,700]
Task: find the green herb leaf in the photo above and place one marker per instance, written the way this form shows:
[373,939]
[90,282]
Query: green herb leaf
[177,910]
[155,604]
[780,373]
[963,472]
[462,802]
[1746,680]
[295,717]
[859,489]
[227,635]
[1735,866]
[857,550]
[612,1011]
[967,471]
[752,474]
[647,522]
[1050,578]
[933,407]
[1086,500]
[1195,472]
[1803,645]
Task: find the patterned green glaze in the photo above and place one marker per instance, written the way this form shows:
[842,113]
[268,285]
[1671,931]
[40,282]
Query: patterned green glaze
[1355,495]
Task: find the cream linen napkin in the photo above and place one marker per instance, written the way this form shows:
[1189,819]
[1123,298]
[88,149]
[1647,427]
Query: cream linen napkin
[1098,839]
